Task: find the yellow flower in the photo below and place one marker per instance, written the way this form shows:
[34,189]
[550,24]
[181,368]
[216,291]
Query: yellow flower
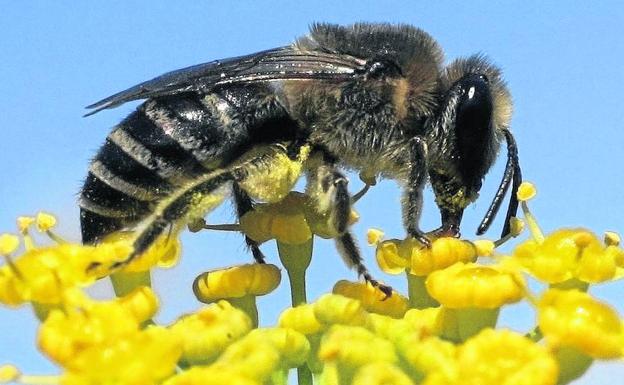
[484,247]
[23,223]
[373,299]
[235,282]
[431,355]
[573,318]
[256,361]
[199,375]
[502,357]
[428,321]
[516,226]
[8,373]
[45,221]
[567,254]
[353,346]
[284,221]
[164,252]
[300,318]
[8,244]
[65,335]
[526,191]
[335,309]
[292,346]
[292,220]
[394,256]
[206,333]
[477,286]
[141,302]
[381,373]
[374,236]
[146,357]
[611,238]
[43,274]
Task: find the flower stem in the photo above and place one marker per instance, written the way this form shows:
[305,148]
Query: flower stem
[419,297]
[124,283]
[304,375]
[534,228]
[247,304]
[296,259]
[572,364]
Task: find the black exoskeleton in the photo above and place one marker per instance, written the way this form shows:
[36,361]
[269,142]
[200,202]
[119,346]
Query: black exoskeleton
[370,97]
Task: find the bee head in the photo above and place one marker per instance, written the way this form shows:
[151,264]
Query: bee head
[480,91]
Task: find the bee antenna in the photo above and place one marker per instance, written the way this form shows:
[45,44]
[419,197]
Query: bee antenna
[512,174]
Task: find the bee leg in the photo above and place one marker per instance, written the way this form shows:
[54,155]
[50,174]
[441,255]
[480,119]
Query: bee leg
[450,224]
[244,204]
[351,255]
[413,198]
[328,187]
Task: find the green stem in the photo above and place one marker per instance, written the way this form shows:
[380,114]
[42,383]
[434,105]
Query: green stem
[124,283]
[304,375]
[535,335]
[419,297]
[571,284]
[296,259]
[534,228]
[247,304]
[460,324]
[572,364]
[42,310]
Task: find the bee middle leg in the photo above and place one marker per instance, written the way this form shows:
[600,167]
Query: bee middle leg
[413,198]
[328,187]
[244,204]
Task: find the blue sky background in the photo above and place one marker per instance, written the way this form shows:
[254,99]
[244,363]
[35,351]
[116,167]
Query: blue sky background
[563,63]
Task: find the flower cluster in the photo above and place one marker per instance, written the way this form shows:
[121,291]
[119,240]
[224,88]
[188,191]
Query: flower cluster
[442,332]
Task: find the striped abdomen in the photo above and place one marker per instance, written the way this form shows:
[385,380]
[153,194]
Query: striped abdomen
[159,147]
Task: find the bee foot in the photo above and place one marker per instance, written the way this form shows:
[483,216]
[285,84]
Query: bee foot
[421,237]
[385,289]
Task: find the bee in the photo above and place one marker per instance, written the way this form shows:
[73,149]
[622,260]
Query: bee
[374,98]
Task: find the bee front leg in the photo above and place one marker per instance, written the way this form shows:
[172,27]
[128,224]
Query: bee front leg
[413,196]
[244,204]
[450,224]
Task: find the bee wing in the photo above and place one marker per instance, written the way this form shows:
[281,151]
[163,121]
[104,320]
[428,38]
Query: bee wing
[285,63]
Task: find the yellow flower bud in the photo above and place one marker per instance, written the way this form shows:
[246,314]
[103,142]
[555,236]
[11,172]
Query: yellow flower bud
[495,357]
[516,226]
[431,355]
[141,302]
[45,221]
[611,238]
[373,299]
[428,321]
[250,359]
[352,347]
[391,256]
[235,282]
[381,373]
[374,236]
[8,373]
[208,375]
[471,285]
[335,309]
[573,318]
[300,318]
[485,247]
[23,223]
[293,346]
[8,244]
[526,191]
[207,333]
[443,253]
